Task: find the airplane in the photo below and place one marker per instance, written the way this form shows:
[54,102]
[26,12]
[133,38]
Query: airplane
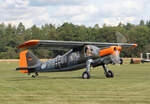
[80,55]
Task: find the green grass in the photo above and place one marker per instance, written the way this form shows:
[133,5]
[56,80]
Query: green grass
[131,85]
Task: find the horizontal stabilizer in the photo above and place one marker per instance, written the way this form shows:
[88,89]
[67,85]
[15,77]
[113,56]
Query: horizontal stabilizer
[24,68]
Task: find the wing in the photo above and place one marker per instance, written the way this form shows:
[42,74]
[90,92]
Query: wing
[53,44]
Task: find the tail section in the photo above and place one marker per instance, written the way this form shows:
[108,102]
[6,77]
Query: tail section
[27,60]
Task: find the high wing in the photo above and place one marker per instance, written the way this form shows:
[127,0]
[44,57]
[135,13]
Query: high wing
[53,44]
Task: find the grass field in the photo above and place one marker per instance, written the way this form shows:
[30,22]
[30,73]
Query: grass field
[131,85]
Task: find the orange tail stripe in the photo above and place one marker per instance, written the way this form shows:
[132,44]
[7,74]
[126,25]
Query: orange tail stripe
[23,61]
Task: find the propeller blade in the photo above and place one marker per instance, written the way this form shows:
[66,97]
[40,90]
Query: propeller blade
[116,57]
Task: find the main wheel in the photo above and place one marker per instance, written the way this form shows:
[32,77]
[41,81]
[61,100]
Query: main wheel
[86,75]
[109,74]
[121,61]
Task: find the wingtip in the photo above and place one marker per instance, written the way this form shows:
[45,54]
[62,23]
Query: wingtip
[28,44]
[135,45]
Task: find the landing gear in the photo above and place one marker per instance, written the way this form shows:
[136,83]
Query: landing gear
[108,73]
[86,74]
[121,61]
[36,74]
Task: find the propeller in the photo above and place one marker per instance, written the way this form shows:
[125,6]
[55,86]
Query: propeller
[116,57]
[116,54]
[121,38]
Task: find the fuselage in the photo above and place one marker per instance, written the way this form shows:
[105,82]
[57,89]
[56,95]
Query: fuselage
[75,59]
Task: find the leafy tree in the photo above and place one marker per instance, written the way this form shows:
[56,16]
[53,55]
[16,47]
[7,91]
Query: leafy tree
[20,29]
[12,36]
[142,23]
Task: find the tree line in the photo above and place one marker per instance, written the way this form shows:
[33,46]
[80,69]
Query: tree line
[11,36]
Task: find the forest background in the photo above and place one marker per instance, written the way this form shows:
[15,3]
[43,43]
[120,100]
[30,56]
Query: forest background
[11,36]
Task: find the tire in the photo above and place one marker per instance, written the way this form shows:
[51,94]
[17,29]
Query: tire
[142,61]
[86,75]
[110,74]
[121,61]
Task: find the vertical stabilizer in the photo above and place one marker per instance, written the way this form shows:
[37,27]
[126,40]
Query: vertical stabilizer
[27,59]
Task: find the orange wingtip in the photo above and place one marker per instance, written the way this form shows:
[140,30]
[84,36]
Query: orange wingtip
[28,44]
[135,45]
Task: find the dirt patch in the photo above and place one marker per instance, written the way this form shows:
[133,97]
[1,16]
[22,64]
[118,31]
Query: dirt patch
[9,60]
[17,60]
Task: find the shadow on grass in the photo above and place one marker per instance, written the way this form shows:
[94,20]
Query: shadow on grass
[50,77]
[39,78]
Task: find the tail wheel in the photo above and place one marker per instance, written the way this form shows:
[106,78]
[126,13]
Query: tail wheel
[36,74]
[86,75]
[33,76]
[109,74]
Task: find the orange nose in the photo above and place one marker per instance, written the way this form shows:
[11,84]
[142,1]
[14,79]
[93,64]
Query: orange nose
[109,50]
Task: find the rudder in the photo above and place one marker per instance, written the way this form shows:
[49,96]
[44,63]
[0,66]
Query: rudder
[27,59]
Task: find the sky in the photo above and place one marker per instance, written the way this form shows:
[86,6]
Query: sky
[79,12]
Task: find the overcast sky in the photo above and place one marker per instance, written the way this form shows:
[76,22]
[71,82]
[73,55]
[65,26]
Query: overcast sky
[81,12]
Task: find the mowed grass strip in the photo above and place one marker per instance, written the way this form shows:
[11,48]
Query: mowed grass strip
[131,85]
